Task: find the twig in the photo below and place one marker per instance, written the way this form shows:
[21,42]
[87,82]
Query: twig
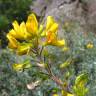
[41,50]
[50,73]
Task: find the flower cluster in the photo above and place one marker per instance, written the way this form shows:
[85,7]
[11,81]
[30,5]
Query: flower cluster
[32,37]
[31,34]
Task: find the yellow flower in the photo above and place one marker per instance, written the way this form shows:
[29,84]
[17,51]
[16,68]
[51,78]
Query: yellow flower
[89,45]
[32,25]
[68,94]
[17,67]
[64,93]
[19,31]
[25,31]
[51,33]
[21,66]
[51,39]
[55,94]
[51,25]
[50,22]
[24,49]
[13,43]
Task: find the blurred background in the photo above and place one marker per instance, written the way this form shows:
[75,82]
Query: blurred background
[77,23]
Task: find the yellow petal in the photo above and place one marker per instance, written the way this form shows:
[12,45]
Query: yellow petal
[43,33]
[16,25]
[32,24]
[23,49]
[60,42]
[23,28]
[89,45]
[55,94]
[68,94]
[19,31]
[21,66]
[54,27]
[50,22]
[17,67]
[51,38]
[13,33]
[24,34]
[13,43]
[65,93]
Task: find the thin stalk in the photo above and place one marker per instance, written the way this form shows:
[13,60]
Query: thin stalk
[41,50]
[48,69]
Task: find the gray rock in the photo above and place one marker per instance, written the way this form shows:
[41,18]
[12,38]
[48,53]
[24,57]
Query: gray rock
[82,11]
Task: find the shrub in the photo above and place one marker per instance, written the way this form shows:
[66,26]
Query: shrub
[45,49]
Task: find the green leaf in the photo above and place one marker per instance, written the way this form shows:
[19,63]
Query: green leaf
[81,79]
[66,63]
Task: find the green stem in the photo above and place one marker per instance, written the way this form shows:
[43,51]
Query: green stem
[48,69]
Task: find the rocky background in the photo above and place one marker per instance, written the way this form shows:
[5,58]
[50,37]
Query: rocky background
[82,11]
